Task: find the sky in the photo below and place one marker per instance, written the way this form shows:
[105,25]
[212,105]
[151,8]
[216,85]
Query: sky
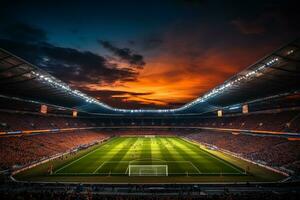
[146,54]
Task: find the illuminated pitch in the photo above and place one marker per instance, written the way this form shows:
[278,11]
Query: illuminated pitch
[149,159]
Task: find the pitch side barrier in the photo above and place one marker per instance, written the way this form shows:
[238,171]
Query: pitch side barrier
[290,135]
[277,133]
[56,130]
[263,132]
[53,157]
[210,146]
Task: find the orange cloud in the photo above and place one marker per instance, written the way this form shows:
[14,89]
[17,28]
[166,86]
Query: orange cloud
[173,80]
[183,71]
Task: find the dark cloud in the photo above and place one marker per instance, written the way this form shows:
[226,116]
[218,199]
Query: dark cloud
[75,67]
[125,54]
[123,99]
[151,43]
[131,42]
[86,66]
[110,93]
[284,14]
[191,45]
[249,27]
[194,3]
[69,64]
[19,31]
[272,17]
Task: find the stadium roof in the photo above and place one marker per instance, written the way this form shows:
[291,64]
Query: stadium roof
[276,74]
[21,79]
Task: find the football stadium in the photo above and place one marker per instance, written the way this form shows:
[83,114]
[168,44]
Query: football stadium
[178,122]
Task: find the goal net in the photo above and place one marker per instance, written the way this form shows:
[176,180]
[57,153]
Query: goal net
[148,170]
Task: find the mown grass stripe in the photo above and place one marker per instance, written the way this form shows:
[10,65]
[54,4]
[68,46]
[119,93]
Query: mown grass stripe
[215,157]
[114,156]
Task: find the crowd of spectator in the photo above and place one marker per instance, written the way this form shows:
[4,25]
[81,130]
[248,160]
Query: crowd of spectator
[284,121]
[26,149]
[21,121]
[68,195]
[273,151]
[137,131]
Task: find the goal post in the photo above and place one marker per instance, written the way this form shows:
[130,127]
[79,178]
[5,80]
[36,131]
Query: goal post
[148,170]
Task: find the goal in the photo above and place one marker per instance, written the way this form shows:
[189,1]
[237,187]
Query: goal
[148,170]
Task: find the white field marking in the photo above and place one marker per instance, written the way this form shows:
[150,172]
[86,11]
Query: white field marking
[107,162]
[72,173]
[186,161]
[94,172]
[195,167]
[141,170]
[226,173]
[128,152]
[123,161]
[63,167]
[76,160]
[116,162]
[232,166]
[116,173]
[215,157]
[158,161]
[99,167]
[148,159]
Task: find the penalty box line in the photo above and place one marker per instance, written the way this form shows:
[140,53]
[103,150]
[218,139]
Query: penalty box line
[126,172]
[224,162]
[94,172]
[107,162]
[101,165]
[74,161]
[195,167]
[216,158]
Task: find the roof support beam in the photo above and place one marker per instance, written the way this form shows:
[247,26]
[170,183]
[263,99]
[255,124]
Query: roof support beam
[9,68]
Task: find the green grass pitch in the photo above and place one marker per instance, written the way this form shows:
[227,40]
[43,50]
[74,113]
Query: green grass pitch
[181,157]
[185,162]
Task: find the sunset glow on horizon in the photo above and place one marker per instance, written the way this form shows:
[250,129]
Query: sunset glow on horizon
[169,82]
[175,52]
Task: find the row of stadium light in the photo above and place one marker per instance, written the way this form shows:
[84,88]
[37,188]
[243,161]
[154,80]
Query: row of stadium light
[58,84]
[230,84]
[215,91]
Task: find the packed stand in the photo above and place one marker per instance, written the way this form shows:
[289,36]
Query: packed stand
[273,151]
[189,195]
[288,121]
[26,149]
[141,132]
[23,121]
